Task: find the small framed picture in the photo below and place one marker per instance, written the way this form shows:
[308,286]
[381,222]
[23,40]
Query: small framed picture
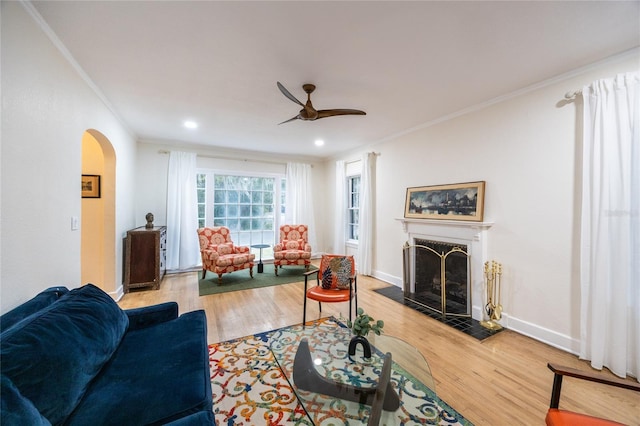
[90,186]
[459,201]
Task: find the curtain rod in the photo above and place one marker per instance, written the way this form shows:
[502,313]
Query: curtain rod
[377,154]
[220,157]
[572,95]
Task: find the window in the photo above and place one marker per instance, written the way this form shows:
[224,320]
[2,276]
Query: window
[201,188]
[247,205]
[353,205]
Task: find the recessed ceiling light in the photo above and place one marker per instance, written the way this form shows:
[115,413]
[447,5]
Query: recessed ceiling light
[190,124]
[319,142]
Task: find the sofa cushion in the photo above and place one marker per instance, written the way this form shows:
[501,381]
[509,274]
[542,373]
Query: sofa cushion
[16,409]
[51,356]
[157,375]
[39,302]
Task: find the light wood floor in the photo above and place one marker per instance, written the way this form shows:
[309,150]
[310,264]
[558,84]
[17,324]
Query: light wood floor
[502,380]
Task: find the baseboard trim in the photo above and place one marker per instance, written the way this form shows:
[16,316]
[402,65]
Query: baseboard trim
[118,294]
[544,335]
[526,328]
[387,278]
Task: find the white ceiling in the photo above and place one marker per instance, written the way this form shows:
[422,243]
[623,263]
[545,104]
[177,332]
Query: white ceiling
[159,63]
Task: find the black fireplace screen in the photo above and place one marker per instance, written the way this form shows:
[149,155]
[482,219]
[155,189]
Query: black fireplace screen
[448,293]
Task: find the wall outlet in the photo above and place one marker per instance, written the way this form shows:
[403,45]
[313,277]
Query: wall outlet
[75,223]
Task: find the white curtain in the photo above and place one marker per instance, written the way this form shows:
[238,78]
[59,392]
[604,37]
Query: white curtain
[183,250]
[340,213]
[610,227]
[367,210]
[299,202]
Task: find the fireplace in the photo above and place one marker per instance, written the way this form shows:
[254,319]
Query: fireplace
[461,247]
[441,276]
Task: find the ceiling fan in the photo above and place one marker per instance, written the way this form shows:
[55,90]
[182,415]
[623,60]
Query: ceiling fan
[308,112]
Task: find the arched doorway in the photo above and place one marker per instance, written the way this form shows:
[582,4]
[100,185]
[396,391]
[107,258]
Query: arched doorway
[97,248]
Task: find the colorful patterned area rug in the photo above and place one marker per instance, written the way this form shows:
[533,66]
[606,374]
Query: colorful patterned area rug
[249,388]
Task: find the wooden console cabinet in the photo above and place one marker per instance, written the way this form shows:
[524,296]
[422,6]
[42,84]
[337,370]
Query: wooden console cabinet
[145,257]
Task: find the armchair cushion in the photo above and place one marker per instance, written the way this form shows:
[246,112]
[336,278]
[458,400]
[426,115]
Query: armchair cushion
[556,417]
[233,259]
[225,248]
[293,244]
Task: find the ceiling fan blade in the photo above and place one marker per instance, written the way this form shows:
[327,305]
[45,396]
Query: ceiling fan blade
[288,95]
[291,119]
[332,112]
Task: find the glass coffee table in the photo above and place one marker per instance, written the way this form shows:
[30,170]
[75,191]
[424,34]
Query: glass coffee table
[324,376]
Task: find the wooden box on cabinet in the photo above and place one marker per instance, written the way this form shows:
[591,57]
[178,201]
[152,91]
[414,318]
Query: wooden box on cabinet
[145,257]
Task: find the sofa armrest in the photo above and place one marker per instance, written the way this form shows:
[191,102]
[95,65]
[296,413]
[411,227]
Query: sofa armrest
[151,315]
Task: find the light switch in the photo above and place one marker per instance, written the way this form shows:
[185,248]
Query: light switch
[75,223]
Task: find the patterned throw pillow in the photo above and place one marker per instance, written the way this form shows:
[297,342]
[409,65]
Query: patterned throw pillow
[337,273]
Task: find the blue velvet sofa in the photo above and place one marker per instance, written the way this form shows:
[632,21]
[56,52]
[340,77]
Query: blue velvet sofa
[75,358]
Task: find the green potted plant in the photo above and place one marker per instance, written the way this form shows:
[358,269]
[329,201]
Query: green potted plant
[361,326]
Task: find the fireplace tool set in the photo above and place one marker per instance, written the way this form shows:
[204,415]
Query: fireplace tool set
[493,281]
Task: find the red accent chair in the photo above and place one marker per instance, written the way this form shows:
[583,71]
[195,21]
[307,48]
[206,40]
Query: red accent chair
[293,248]
[557,417]
[220,255]
[336,281]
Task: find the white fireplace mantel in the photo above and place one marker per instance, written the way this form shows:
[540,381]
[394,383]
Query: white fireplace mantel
[471,234]
[445,227]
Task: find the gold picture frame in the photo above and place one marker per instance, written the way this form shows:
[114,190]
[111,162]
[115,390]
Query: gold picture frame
[90,186]
[458,201]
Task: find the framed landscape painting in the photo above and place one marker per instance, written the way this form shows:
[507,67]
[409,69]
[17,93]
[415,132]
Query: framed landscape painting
[90,186]
[458,201]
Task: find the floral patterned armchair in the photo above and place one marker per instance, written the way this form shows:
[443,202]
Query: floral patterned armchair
[293,248]
[220,255]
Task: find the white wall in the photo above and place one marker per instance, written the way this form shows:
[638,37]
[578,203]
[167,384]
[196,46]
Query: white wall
[46,109]
[527,151]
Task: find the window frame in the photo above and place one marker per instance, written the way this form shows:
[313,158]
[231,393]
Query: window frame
[349,240]
[279,186]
